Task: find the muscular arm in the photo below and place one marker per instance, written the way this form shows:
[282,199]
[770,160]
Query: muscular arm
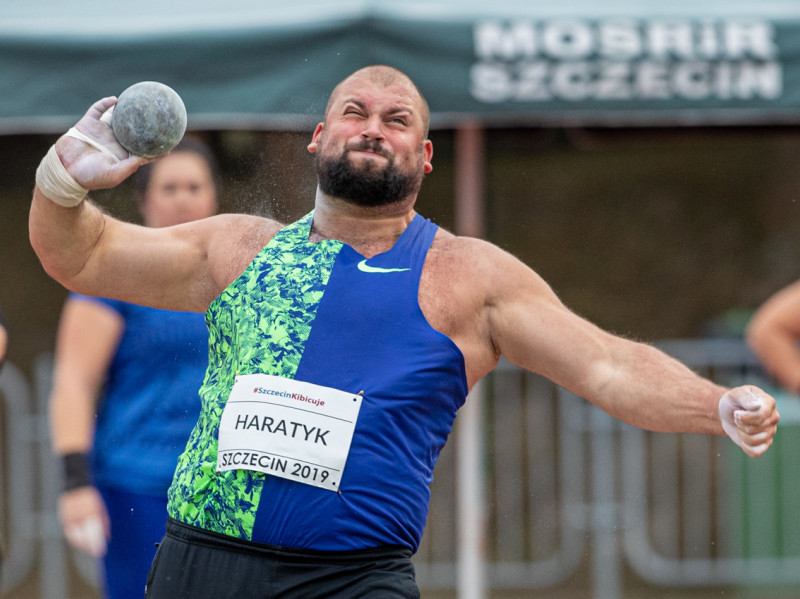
[631,381]
[774,333]
[514,313]
[182,268]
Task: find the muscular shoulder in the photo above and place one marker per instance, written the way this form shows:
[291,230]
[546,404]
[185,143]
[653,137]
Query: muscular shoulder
[473,263]
[463,281]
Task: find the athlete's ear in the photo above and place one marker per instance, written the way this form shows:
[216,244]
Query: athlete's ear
[312,147]
[427,148]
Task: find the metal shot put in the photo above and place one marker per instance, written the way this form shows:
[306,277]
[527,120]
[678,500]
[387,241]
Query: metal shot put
[149,119]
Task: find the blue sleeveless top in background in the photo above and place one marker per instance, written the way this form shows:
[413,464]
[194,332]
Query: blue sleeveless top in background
[150,401]
[322,313]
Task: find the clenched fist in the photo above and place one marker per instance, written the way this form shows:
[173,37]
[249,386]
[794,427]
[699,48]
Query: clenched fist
[750,418]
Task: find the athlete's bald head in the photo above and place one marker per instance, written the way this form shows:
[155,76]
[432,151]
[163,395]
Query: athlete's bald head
[385,76]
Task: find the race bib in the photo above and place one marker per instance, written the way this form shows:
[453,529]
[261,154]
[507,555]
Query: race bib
[286,428]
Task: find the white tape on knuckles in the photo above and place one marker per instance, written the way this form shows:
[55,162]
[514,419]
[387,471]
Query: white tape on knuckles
[55,182]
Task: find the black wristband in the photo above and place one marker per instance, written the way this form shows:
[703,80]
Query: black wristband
[76,471]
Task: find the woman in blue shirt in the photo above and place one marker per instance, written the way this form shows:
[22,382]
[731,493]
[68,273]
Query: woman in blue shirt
[124,396]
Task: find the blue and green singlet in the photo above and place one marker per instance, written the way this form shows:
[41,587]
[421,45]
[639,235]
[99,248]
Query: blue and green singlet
[322,313]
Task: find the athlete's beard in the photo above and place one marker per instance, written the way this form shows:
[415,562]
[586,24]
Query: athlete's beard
[368,185]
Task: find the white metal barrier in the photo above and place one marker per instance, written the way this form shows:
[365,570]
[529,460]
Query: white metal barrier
[19,523]
[29,487]
[536,487]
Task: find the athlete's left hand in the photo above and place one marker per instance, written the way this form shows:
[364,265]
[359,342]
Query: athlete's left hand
[750,418]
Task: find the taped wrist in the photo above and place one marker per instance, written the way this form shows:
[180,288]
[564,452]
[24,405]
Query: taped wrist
[76,471]
[55,182]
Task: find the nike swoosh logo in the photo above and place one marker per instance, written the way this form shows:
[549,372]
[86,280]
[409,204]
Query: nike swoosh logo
[364,267]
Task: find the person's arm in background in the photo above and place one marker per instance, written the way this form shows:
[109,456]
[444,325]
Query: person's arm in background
[3,349]
[3,340]
[773,334]
[88,336]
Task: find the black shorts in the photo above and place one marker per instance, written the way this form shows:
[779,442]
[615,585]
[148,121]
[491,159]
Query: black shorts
[194,564]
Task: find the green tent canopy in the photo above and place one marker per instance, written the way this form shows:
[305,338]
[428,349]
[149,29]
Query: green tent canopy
[267,64]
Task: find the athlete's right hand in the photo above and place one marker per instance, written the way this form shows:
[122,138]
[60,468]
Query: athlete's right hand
[84,519]
[89,166]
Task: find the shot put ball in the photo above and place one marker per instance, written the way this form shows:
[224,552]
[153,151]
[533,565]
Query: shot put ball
[149,119]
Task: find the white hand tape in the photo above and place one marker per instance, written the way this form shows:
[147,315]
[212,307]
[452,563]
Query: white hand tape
[73,132]
[56,183]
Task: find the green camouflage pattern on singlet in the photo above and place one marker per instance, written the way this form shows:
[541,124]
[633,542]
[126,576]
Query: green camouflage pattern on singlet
[250,331]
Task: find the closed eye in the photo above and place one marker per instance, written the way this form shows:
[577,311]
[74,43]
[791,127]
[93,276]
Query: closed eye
[353,107]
